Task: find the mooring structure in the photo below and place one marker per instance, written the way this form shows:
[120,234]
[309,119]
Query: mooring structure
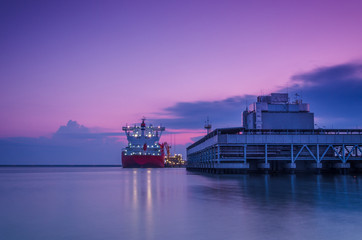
[277,135]
[237,150]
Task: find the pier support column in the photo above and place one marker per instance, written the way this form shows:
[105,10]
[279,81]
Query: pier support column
[343,166]
[319,164]
[343,154]
[317,167]
[265,166]
[318,158]
[266,154]
[292,165]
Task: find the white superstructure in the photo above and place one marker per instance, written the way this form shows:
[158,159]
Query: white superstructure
[143,140]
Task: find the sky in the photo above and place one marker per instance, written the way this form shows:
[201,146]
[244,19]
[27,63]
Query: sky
[98,65]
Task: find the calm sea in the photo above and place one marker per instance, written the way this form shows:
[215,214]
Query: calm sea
[114,203]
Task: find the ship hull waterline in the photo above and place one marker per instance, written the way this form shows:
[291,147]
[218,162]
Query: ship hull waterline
[141,161]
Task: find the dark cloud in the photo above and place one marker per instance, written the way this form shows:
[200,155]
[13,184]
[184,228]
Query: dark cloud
[334,93]
[342,73]
[74,130]
[72,127]
[192,115]
[72,144]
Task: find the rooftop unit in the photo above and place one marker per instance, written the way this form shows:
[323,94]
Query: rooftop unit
[275,111]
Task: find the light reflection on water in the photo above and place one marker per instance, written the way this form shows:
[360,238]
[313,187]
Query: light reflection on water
[114,203]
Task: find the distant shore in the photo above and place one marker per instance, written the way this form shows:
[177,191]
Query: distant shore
[60,165]
[72,166]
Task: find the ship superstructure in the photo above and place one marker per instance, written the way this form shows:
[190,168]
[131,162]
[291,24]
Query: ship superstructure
[144,149]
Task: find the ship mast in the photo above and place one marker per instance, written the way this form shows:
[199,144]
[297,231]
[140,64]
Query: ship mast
[143,127]
[207,125]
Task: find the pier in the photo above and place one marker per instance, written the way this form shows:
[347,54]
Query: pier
[240,150]
[277,136]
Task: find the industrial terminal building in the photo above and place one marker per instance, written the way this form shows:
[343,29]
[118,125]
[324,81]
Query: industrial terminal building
[277,135]
[275,112]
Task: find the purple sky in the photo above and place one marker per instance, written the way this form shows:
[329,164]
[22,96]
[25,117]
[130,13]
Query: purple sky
[108,63]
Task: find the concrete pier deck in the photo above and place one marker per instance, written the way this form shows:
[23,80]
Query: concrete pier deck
[240,150]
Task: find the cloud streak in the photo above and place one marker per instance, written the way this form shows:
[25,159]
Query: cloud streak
[343,73]
[72,144]
[74,130]
[334,92]
[192,115]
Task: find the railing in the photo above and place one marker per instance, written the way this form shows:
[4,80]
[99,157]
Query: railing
[243,131]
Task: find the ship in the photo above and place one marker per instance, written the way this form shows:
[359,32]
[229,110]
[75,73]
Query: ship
[143,149]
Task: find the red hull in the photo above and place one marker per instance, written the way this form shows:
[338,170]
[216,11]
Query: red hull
[139,161]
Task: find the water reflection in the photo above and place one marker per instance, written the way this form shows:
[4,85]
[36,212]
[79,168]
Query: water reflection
[149,192]
[267,190]
[143,198]
[284,206]
[135,189]
[149,207]
[133,203]
[174,204]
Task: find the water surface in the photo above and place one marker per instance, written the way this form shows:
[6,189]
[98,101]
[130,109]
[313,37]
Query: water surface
[114,203]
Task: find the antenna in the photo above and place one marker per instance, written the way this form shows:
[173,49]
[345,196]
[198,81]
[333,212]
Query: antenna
[297,98]
[174,145]
[207,125]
